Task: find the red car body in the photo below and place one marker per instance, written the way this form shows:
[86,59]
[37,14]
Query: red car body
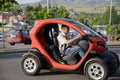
[36,44]
[97,48]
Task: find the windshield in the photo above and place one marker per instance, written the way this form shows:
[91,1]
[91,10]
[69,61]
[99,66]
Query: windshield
[88,30]
[13,31]
[85,28]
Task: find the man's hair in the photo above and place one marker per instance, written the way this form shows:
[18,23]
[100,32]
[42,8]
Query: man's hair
[64,26]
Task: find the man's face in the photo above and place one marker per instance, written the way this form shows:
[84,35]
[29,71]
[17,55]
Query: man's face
[66,30]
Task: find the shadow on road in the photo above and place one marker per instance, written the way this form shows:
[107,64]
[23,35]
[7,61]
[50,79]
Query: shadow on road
[114,77]
[50,72]
[65,73]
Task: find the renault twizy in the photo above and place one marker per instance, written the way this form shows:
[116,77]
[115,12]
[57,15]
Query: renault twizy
[97,63]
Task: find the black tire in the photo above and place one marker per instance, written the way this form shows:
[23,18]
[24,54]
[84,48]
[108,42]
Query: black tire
[12,44]
[96,69]
[31,65]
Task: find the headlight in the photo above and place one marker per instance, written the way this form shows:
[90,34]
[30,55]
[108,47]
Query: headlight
[101,44]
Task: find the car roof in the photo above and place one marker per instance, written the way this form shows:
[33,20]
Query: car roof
[63,19]
[66,19]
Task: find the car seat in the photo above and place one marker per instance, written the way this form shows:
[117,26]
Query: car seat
[84,45]
[69,59]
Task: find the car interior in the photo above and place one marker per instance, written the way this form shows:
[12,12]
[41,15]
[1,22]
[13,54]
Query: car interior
[50,33]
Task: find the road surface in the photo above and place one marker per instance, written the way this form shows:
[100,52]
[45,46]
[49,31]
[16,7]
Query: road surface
[10,69]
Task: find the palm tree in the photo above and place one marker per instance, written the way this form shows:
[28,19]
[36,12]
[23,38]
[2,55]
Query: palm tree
[4,6]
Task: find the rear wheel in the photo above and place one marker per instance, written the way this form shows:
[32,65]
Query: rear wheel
[96,69]
[31,65]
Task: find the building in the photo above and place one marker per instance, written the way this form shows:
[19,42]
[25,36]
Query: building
[16,19]
[9,17]
[5,16]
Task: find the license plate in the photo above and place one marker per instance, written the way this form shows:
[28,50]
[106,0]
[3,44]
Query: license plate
[12,36]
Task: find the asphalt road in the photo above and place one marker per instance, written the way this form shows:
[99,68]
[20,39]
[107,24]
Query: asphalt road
[10,69]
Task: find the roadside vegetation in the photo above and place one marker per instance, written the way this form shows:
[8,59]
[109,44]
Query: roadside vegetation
[89,16]
[93,18]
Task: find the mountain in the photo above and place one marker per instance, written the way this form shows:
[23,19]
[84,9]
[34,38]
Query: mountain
[80,2]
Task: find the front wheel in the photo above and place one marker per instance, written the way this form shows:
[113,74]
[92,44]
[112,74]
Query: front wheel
[96,69]
[31,65]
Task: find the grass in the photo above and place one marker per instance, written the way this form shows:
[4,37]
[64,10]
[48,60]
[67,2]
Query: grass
[90,8]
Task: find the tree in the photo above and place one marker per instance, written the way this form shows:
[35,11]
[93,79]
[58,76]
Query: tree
[28,8]
[39,14]
[4,6]
[27,13]
[114,16]
[113,30]
[82,16]
[7,4]
[96,20]
[16,10]
[38,7]
[62,12]
[85,18]
[53,12]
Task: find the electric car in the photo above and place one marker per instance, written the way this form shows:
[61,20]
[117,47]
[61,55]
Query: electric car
[97,63]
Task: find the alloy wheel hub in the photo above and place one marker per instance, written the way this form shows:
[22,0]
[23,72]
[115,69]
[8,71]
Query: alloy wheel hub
[29,65]
[96,71]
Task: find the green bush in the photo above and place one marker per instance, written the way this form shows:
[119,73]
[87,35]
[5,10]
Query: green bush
[24,26]
[114,30]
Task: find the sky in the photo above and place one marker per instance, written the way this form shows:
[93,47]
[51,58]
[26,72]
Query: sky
[26,1]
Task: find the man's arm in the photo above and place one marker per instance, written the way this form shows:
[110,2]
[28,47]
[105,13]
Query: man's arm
[71,40]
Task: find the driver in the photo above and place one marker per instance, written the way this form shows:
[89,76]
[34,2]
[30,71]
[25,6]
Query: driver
[62,40]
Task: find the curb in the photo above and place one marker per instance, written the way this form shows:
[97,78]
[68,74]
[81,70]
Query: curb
[10,51]
[113,45]
[5,51]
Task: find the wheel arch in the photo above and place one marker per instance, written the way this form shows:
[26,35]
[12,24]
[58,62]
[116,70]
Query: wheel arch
[36,53]
[36,59]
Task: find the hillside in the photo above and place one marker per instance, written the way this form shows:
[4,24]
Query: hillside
[81,2]
[88,6]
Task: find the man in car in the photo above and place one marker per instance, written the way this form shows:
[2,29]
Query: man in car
[62,40]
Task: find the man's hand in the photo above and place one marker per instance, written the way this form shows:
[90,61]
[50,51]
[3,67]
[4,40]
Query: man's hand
[73,39]
[78,36]
[85,37]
